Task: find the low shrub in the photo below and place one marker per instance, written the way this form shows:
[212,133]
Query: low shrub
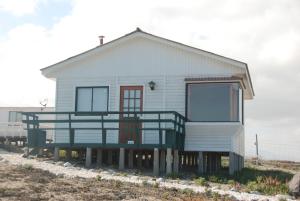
[201,181]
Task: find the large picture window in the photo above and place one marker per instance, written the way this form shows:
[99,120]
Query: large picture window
[213,102]
[91,99]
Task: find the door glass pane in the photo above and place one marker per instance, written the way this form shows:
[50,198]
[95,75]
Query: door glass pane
[137,109]
[125,103]
[131,102]
[131,93]
[126,94]
[137,93]
[84,99]
[137,102]
[100,99]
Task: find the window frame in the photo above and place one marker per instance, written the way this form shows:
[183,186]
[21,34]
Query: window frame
[91,87]
[230,82]
[16,115]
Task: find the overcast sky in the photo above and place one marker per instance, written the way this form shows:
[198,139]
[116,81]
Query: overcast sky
[264,34]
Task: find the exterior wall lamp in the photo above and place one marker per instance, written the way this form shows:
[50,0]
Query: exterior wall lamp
[152,85]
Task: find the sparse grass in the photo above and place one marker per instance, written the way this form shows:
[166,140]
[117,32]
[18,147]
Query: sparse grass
[98,178]
[201,181]
[156,185]
[173,175]
[268,182]
[189,192]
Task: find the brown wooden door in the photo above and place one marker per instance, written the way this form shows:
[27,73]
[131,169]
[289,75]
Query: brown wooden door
[131,100]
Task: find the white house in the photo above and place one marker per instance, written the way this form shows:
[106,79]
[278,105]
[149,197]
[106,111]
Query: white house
[198,94]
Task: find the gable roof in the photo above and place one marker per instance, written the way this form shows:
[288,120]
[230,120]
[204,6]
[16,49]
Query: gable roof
[138,31]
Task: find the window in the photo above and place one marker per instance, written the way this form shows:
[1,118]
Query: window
[14,116]
[91,99]
[213,102]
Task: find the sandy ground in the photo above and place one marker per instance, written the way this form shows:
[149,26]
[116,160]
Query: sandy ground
[31,179]
[23,183]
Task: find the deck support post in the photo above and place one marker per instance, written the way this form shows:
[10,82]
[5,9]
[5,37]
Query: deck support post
[176,162]
[41,151]
[147,162]
[200,162]
[236,162]
[130,159]
[88,157]
[169,161]
[56,154]
[162,161]
[68,154]
[243,162]
[109,157]
[139,160]
[122,159]
[156,162]
[231,163]
[99,157]
[218,161]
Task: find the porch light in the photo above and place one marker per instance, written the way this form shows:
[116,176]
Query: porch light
[152,85]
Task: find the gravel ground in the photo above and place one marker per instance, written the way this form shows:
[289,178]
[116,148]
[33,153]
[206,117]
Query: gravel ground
[53,181]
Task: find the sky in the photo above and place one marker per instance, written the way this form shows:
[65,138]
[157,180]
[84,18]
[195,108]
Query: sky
[264,34]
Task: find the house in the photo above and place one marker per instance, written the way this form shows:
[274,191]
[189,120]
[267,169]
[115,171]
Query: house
[11,126]
[148,101]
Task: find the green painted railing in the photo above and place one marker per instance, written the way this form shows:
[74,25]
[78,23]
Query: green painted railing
[166,129]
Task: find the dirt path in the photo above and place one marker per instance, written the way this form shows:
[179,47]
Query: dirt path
[27,183]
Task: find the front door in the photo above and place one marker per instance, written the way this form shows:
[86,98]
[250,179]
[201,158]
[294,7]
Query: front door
[131,100]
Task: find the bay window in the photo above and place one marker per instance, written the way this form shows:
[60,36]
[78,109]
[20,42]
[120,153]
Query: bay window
[213,102]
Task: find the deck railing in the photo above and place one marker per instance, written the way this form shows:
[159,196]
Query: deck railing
[147,129]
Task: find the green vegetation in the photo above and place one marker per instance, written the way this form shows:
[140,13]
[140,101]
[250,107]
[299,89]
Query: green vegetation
[201,181]
[173,175]
[98,178]
[268,182]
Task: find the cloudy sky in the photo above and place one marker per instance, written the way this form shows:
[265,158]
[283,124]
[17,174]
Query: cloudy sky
[264,34]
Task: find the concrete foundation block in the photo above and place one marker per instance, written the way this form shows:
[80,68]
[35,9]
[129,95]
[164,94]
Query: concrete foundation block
[122,159]
[169,161]
[200,163]
[109,157]
[130,159]
[99,157]
[156,162]
[56,154]
[162,161]
[88,157]
[176,162]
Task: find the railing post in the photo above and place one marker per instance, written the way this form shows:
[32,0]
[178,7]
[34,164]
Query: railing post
[103,131]
[160,131]
[71,132]
[175,133]
[137,130]
[103,137]
[37,122]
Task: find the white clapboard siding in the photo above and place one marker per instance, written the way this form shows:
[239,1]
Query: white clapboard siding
[212,136]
